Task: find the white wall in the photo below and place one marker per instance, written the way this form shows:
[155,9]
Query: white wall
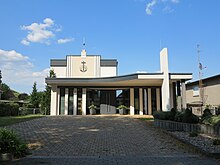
[74,64]
[108,71]
[165,86]
[59,71]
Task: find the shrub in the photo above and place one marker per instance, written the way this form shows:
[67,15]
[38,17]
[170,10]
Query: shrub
[189,117]
[9,109]
[10,143]
[211,120]
[161,115]
[206,113]
[173,114]
[216,142]
[179,117]
[122,107]
[193,134]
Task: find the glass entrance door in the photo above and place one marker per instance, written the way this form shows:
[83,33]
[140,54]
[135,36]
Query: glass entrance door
[108,102]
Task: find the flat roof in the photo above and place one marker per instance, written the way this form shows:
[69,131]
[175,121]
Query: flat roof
[205,79]
[136,79]
[63,62]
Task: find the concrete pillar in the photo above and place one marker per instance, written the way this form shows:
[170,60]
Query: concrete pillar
[158,99]
[58,101]
[83,101]
[183,92]
[165,85]
[75,101]
[145,100]
[131,101]
[141,101]
[149,101]
[179,103]
[53,102]
[66,101]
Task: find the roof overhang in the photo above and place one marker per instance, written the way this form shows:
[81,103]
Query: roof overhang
[180,76]
[138,79]
[146,79]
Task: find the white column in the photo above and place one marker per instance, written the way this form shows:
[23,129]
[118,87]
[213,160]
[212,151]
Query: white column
[149,101]
[131,101]
[165,85]
[145,100]
[183,93]
[66,101]
[75,101]
[84,101]
[58,101]
[158,98]
[53,102]
[141,101]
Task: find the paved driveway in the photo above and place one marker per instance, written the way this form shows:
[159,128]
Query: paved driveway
[101,140]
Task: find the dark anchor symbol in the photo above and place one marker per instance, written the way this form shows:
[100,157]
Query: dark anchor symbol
[83,68]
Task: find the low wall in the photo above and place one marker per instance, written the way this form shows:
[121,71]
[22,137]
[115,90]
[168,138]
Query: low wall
[186,127]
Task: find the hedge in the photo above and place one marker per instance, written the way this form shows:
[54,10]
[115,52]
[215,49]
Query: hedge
[186,117]
[9,109]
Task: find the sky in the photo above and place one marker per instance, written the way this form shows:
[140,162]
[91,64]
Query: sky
[131,31]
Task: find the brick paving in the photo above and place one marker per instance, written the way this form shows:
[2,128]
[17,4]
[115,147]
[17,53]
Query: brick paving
[101,140]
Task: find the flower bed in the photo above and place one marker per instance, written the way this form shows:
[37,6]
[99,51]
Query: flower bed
[187,127]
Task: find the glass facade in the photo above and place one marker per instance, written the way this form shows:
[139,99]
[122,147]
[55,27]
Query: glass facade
[136,101]
[62,101]
[70,102]
[110,99]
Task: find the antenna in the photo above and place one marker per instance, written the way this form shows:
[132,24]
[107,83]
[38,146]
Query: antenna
[84,43]
[201,89]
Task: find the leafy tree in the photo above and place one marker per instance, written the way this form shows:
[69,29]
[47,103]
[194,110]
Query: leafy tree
[52,74]
[6,92]
[35,99]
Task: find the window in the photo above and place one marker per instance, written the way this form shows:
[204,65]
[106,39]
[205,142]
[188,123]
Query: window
[195,91]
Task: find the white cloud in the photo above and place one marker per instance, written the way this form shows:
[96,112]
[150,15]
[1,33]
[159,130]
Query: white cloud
[39,32]
[150,5]
[25,42]
[11,56]
[168,9]
[18,70]
[64,40]
[141,72]
[175,1]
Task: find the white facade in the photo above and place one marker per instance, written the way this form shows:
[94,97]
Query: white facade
[84,66]
[82,80]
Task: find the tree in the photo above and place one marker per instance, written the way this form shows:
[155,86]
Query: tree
[6,92]
[52,74]
[35,99]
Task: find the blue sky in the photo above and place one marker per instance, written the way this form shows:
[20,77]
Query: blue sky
[132,31]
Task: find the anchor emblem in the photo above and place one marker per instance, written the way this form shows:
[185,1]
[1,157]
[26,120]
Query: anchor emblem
[83,68]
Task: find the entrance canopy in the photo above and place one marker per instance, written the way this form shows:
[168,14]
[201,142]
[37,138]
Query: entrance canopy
[137,79]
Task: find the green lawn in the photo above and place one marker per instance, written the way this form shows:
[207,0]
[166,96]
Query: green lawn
[146,119]
[8,120]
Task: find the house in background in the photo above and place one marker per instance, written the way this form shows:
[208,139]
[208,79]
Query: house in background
[83,80]
[211,94]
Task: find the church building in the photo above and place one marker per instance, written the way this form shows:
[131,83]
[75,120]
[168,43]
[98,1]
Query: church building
[84,80]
